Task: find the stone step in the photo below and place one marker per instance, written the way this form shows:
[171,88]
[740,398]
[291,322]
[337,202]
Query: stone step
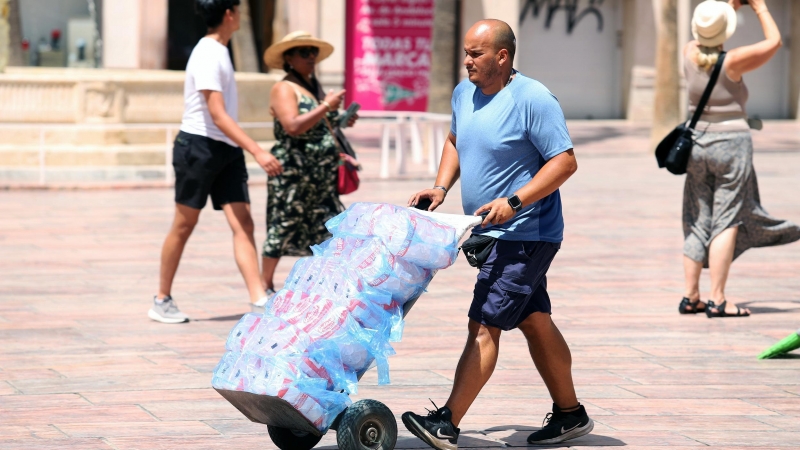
[106,135]
[79,175]
[91,155]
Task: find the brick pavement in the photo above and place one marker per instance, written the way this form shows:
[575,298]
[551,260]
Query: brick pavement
[81,366]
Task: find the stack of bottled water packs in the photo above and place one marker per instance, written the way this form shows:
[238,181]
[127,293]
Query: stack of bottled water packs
[338,311]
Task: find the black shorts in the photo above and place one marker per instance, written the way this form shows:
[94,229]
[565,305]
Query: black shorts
[512,283]
[203,167]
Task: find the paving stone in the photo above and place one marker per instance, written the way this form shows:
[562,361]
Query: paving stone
[137,429]
[784,406]
[81,366]
[192,410]
[145,396]
[684,406]
[744,438]
[685,422]
[785,423]
[55,444]
[606,439]
[83,414]
[236,426]
[709,391]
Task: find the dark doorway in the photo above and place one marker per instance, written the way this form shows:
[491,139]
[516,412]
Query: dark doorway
[262,13]
[184,28]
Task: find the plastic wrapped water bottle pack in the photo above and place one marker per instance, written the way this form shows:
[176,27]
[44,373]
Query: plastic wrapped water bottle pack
[339,311]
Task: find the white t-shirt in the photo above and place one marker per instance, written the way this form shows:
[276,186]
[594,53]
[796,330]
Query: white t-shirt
[209,68]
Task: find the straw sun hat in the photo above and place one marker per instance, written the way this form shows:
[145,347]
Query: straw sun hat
[273,56]
[713,23]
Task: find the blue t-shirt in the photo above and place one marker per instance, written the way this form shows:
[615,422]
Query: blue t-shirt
[502,141]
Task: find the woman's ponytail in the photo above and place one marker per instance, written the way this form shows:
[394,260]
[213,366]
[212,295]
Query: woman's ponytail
[707,57]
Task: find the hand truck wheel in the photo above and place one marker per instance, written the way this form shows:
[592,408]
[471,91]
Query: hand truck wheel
[287,439]
[367,425]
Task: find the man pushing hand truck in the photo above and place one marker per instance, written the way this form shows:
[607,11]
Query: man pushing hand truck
[510,146]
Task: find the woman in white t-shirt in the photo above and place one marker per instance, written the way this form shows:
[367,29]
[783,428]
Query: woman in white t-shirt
[302,198]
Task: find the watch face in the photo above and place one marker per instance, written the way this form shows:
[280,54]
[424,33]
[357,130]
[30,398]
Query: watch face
[515,202]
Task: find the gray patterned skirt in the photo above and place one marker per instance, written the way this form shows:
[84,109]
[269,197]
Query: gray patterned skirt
[721,192]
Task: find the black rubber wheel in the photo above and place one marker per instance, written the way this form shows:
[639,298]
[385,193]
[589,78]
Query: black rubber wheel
[287,439]
[367,425]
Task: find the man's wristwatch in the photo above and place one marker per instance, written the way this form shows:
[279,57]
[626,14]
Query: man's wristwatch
[515,203]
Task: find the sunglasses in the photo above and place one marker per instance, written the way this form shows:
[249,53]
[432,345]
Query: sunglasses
[305,52]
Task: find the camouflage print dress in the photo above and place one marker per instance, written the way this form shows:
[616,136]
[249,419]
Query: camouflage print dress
[304,196]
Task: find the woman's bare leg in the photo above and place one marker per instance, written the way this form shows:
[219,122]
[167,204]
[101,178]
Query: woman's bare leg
[268,266]
[691,272]
[720,257]
[244,246]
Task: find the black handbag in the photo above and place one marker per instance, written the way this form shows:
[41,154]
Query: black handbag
[673,151]
[477,249]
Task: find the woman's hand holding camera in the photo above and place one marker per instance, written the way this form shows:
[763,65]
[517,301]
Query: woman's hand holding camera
[759,6]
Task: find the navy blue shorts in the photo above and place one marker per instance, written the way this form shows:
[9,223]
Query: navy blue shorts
[512,283]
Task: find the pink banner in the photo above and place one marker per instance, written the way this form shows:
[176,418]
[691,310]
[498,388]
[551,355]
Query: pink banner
[388,54]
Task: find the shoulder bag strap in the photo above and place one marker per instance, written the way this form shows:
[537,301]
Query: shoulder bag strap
[707,93]
[333,133]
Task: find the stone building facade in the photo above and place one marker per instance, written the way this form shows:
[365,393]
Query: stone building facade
[597,56]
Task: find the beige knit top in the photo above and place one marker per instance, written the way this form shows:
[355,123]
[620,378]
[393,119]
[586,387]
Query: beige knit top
[725,110]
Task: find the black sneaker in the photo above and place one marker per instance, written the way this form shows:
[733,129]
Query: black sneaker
[559,426]
[435,429]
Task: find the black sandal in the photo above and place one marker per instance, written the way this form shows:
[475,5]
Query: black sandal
[721,311]
[683,308]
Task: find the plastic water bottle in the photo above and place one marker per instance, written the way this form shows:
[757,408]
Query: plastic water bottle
[242,331]
[355,356]
[274,337]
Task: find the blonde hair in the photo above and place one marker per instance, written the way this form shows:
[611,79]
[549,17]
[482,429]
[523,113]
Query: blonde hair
[707,57]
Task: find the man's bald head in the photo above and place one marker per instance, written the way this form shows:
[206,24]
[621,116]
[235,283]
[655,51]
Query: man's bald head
[498,33]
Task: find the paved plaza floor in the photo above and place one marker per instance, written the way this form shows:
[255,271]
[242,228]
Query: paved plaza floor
[81,365]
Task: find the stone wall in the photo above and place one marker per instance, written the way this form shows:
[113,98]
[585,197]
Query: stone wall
[114,96]
[115,121]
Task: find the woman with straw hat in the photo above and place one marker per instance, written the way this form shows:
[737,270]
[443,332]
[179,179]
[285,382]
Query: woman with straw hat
[722,214]
[302,198]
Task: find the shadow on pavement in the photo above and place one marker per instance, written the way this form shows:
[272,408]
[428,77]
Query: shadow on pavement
[232,318]
[520,439]
[755,309]
[405,442]
[787,356]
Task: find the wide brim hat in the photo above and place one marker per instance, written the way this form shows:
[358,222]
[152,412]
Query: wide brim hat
[713,23]
[273,56]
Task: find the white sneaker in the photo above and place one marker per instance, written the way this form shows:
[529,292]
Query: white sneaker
[166,311]
[258,307]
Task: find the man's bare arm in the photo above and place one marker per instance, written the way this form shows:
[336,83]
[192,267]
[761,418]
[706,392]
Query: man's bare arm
[449,172]
[549,178]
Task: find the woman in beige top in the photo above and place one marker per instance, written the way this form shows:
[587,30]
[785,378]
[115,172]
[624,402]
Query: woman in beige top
[722,214]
